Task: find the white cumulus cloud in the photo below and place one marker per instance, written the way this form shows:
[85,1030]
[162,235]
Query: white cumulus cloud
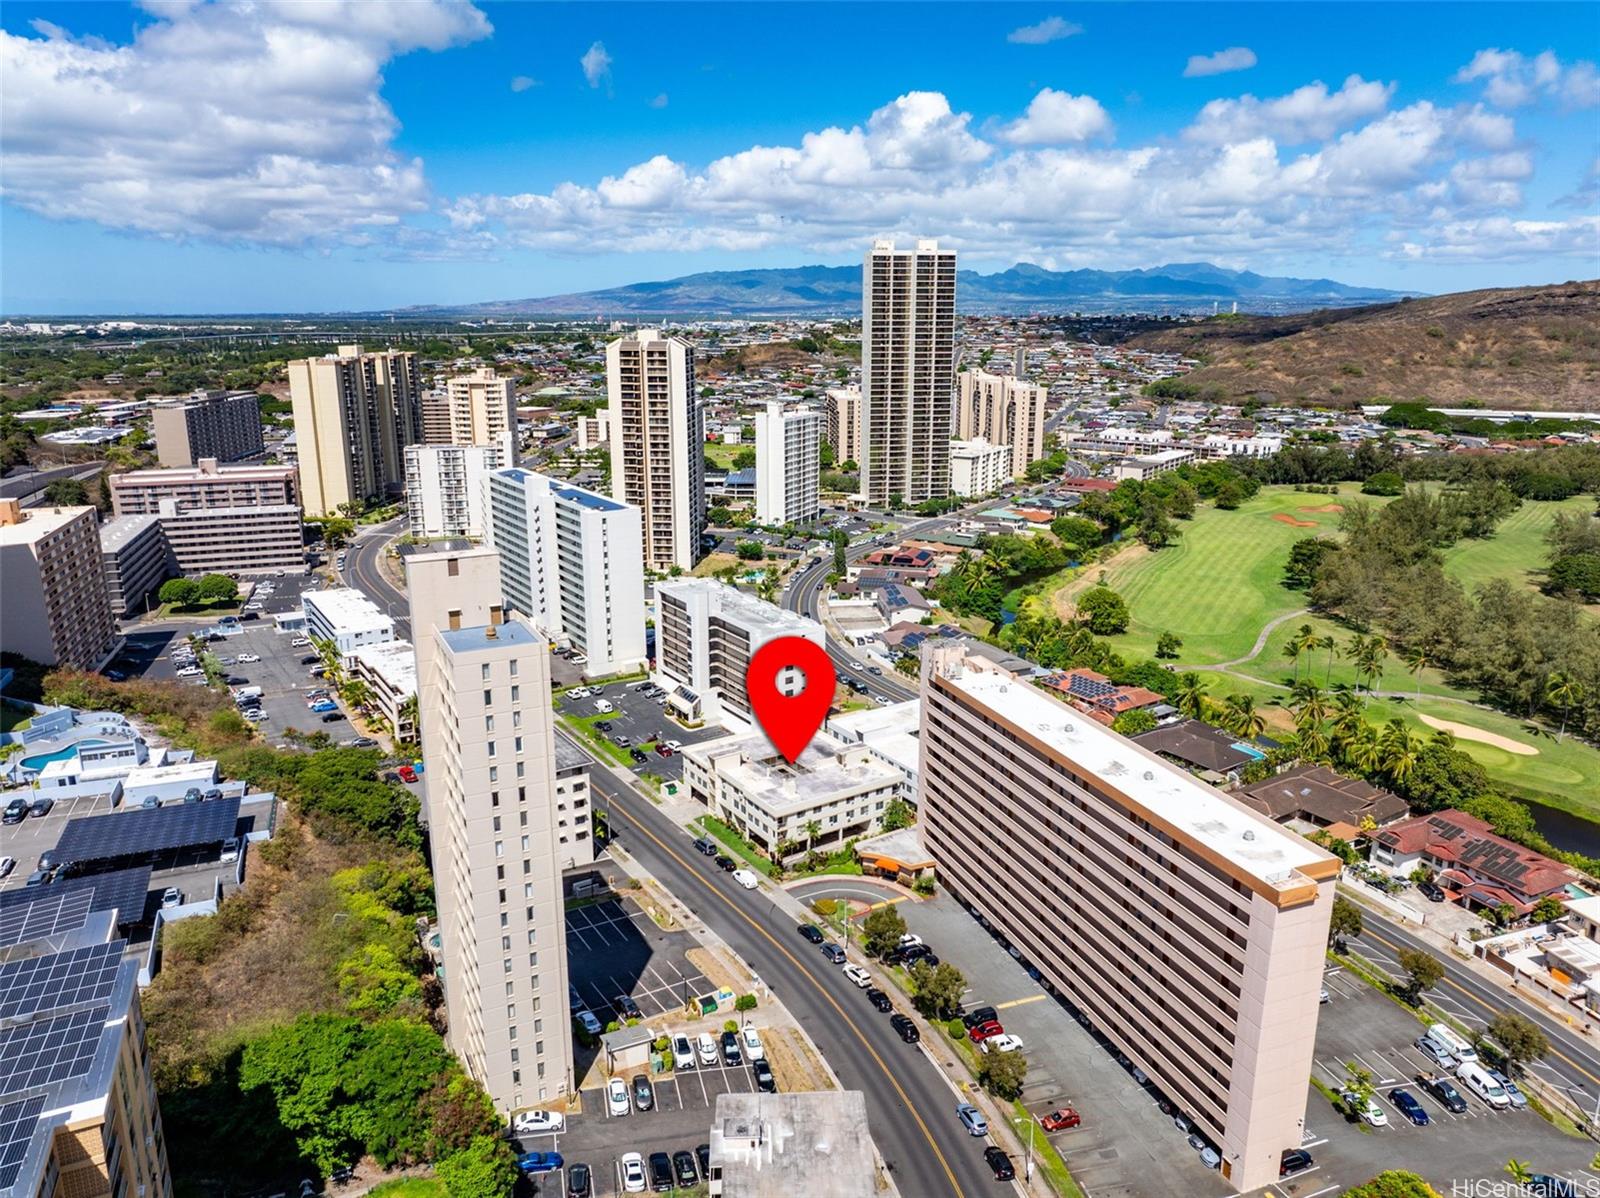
[521,83]
[1309,113]
[1511,79]
[1056,118]
[596,64]
[1234,58]
[1051,29]
[259,122]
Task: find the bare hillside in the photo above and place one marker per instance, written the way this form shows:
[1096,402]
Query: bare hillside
[1527,347]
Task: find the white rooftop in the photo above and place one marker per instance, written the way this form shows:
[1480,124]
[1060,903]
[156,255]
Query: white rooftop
[745,610]
[114,534]
[825,769]
[1251,841]
[347,609]
[393,661]
[157,775]
[38,523]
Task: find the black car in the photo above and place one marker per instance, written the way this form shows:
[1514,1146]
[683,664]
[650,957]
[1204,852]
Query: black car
[332,717]
[906,1029]
[1293,1160]
[660,1172]
[880,1000]
[765,1082]
[41,806]
[725,864]
[982,1015]
[16,811]
[1000,1163]
[644,1097]
[1431,892]
[579,1183]
[604,725]
[911,954]
[1546,1186]
[624,1006]
[639,758]
[683,1165]
[811,932]
[730,1049]
[310,659]
[1445,1092]
[702,1153]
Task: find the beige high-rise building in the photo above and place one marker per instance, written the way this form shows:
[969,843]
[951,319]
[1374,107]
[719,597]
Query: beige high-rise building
[1003,410]
[483,409]
[494,816]
[354,415]
[1189,929]
[658,444]
[844,423]
[54,608]
[908,354]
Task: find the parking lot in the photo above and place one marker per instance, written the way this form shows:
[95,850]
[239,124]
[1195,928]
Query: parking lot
[641,720]
[614,948]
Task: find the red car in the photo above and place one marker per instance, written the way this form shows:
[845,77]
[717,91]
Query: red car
[407,774]
[1060,1120]
[984,1030]
[664,750]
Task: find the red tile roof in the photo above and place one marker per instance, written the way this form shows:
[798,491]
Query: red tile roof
[1466,842]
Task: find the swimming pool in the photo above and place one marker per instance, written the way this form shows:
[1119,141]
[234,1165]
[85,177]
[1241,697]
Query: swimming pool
[43,759]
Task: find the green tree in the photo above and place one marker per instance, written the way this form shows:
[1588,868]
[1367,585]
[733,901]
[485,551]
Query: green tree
[813,830]
[218,588]
[1104,611]
[1154,527]
[881,930]
[1575,573]
[1357,1088]
[1190,695]
[1565,691]
[1393,1183]
[1345,921]
[180,592]
[1077,532]
[896,814]
[936,990]
[1519,1037]
[1332,646]
[1243,720]
[1401,748]
[1417,660]
[840,543]
[1132,723]
[66,492]
[485,1168]
[1547,909]
[1385,482]
[1423,972]
[1002,1074]
[1167,646]
[1519,1171]
[750,551]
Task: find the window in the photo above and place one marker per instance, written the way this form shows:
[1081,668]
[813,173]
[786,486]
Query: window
[491,748]
[485,675]
[524,822]
[506,963]
[516,1055]
[494,798]
[527,890]
[488,723]
[511,1032]
[505,944]
[524,844]
[516,1076]
[497,823]
[533,961]
[531,931]
[516,691]
[488,695]
[513,667]
[538,1026]
[517,742]
[499,848]
[499,870]
[511,1012]
[494,773]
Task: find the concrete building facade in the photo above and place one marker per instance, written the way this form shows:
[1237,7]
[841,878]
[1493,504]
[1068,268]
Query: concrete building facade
[137,560]
[488,742]
[908,329]
[389,668]
[788,464]
[593,431]
[1003,410]
[1190,929]
[55,609]
[354,414]
[574,814]
[222,519]
[706,633]
[445,486]
[572,562]
[225,425]
[978,468]
[346,617]
[844,423]
[658,444]
[483,409]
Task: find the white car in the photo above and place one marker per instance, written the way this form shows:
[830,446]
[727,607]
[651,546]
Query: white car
[752,1045]
[534,1123]
[300,642]
[1373,1113]
[1003,1043]
[7,864]
[682,1053]
[632,1173]
[859,975]
[617,1097]
[909,939]
[589,1023]
[190,672]
[674,745]
[249,658]
[252,607]
[706,1045]
[746,878]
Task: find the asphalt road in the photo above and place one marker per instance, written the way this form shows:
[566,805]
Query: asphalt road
[910,1106]
[363,570]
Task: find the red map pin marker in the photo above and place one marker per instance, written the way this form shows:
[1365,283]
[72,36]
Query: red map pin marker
[790,721]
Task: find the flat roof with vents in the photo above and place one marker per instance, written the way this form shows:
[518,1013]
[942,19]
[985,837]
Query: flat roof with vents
[123,834]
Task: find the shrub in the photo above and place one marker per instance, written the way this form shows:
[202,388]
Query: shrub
[745,1002]
[731,1025]
[955,1029]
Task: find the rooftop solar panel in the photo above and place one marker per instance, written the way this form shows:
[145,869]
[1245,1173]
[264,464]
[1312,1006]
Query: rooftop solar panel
[50,914]
[135,833]
[17,1121]
[59,980]
[44,1051]
[123,891]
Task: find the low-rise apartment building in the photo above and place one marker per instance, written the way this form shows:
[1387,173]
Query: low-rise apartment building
[55,609]
[136,559]
[574,813]
[346,617]
[225,425]
[706,634]
[835,790]
[1187,927]
[978,468]
[220,519]
[389,668]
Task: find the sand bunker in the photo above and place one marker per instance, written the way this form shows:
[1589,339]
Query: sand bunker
[1326,507]
[1468,732]
[1285,518]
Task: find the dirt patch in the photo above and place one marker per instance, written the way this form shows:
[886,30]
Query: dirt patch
[794,1064]
[1064,599]
[1286,518]
[718,971]
[1326,507]
[1468,732]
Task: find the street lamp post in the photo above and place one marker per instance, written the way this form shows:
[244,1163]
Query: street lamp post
[1028,1169]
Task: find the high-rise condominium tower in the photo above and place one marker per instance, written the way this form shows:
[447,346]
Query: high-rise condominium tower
[483,407]
[908,332]
[1004,410]
[788,464]
[483,695]
[658,444]
[354,415]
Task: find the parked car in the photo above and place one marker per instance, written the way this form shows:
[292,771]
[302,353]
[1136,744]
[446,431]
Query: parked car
[580,1183]
[1442,1089]
[1435,1052]
[746,878]
[7,864]
[1060,1120]
[811,932]
[751,1040]
[41,807]
[534,1123]
[905,1028]
[984,1030]
[171,897]
[407,774]
[660,1172]
[539,1162]
[706,1046]
[639,757]
[972,1119]
[1000,1163]
[632,1165]
[730,1049]
[230,849]
[1293,1160]
[644,1095]
[604,725]
[1365,1109]
[1002,1043]
[683,1166]
[1405,1102]
[1519,1100]
[1543,1185]
[834,953]
[663,751]
[682,1052]
[765,1082]
[725,863]
[332,717]
[859,975]
[1431,891]
[1208,1154]
[587,1021]
[702,1153]
[880,1000]
[16,811]
[617,1097]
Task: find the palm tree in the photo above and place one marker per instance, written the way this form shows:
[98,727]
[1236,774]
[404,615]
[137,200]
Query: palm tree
[1399,747]
[813,830]
[1332,646]
[1313,742]
[1443,737]
[1416,661]
[1564,691]
[1369,655]
[1519,1171]
[1363,750]
[1311,705]
[1303,641]
[1189,696]
[1244,720]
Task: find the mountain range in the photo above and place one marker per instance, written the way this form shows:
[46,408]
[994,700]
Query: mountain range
[829,290]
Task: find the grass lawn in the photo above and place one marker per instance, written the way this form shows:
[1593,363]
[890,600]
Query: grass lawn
[583,727]
[212,608]
[1271,665]
[1517,549]
[1045,1157]
[736,845]
[14,717]
[712,562]
[723,455]
[1222,581]
[409,1187]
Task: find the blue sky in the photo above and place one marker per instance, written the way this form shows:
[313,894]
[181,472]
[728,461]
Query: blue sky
[286,156]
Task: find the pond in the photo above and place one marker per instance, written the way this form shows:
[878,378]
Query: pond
[1565,830]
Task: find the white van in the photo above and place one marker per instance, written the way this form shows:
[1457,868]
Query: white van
[1476,1078]
[603,706]
[1449,1038]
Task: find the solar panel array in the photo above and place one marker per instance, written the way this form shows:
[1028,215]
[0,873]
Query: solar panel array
[59,980]
[123,891]
[137,833]
[45,1051]
[17,1121]
[1089,688]
[50,914]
